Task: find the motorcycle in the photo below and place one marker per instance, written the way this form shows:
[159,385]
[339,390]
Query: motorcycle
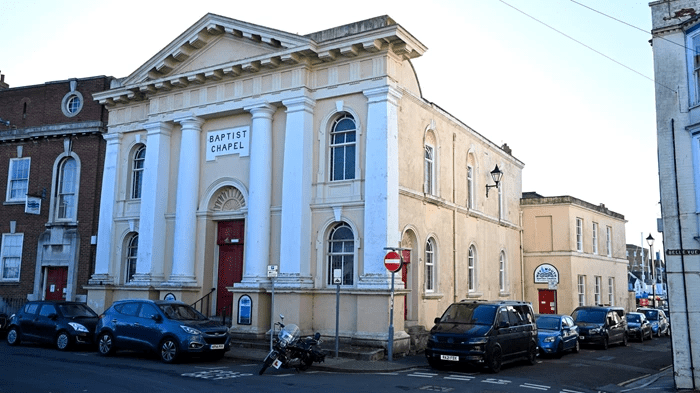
[289,350]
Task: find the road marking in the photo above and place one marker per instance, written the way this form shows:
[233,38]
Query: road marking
[460,377]
[433,388]
[497,381]
[216,374]
[569,391]
[533,386]
[422,375]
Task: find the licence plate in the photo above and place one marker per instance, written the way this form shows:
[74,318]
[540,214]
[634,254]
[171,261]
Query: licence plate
[217,346]
[277,363]
[450,358]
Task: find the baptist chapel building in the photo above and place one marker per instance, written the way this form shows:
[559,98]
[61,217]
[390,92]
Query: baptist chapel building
[240,152]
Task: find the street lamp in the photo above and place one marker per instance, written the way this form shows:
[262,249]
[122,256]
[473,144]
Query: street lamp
[650,241]
[496,175]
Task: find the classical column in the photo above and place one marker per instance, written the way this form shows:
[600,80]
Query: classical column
[381,184]
[154,201]
[186,203]
[257,239]
[295,270]
[108,197]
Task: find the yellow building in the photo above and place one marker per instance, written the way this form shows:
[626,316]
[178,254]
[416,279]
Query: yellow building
[574,254]
[240,152]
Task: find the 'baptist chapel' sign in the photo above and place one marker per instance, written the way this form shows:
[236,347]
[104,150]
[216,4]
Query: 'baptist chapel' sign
[546,273]
[228,141]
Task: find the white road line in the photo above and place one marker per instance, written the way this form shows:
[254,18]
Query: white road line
[422,375]
[460,377]
[569,391]
[533,386]
[496,381]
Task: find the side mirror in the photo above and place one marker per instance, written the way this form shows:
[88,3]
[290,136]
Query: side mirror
[282,317]
[503,324]
[436,320]
[157,318]
[317,336]
[52,316]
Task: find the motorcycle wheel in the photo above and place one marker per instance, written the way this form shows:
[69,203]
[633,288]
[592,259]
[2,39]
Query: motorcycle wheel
[306,362]
[266,363]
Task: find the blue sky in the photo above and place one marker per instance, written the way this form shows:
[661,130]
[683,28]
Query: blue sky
[583,125]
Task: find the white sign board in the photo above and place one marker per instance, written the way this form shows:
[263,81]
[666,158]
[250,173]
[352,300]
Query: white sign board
[337,276]
[546,274]
[32,205]
[272,270]
[228,141]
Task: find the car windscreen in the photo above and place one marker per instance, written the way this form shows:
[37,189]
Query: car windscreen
[547,323]
[476,314]
[76,311]
[589,316]
[652,315]
[181,312]
[633,318]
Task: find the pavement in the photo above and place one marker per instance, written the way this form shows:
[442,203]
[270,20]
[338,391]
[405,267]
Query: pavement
[367,360]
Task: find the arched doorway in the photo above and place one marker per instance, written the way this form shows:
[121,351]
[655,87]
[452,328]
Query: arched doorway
[408,241]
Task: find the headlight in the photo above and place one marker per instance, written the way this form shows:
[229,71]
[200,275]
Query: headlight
[594,331]
[480,340]
[550,339]
[78,327]
[190,330]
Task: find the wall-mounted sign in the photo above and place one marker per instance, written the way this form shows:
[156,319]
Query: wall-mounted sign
[546,273]
[228,141]
[33,205]
[244,310]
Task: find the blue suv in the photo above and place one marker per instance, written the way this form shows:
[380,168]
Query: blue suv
[168,328]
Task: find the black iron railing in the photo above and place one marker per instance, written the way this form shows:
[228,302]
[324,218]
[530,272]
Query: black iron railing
[203,305]
[8,306]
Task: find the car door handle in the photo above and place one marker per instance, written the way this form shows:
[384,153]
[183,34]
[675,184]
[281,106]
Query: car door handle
[114,321]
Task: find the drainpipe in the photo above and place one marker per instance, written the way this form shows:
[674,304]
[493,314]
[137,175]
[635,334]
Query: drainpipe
[454,221]
[522,260]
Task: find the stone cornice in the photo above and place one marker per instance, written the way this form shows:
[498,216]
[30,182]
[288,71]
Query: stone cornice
[288,50]
[56,130]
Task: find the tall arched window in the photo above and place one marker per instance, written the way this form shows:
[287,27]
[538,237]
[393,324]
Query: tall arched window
[341,254]
[471,274]
[132,251]
[502,272]
[137,165]
[343,144]
[430,251]
[66,189]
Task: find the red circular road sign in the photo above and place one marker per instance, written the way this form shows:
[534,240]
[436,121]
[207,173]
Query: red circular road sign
[392,261]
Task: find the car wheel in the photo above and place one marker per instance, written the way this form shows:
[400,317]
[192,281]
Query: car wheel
[13,336]
[605,343]
[532,353]
[658,333]
[436,364]
[577,347]
[169,350]
[641,337]
[63,341]
[105,344]
[560,350]
[495,359]
[624,339]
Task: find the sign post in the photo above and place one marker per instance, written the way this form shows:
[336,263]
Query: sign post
[272,274]
[393,262]
[337,279]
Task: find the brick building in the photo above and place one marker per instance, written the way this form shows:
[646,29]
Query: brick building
[52,150]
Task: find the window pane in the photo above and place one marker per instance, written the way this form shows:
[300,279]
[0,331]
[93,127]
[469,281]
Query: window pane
[19,178]
[350,162]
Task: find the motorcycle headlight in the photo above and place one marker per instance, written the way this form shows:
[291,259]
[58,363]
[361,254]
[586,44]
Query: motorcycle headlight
[190,330]
[78,327]
[550,339]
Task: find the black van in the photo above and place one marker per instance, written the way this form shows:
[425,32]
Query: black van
[483,333]
[601,325]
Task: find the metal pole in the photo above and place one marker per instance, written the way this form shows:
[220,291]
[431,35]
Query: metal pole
[272,313]
[337,314]
[390,346]
[653,274]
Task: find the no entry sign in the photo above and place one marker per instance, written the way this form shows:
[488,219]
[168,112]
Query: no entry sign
[392,261]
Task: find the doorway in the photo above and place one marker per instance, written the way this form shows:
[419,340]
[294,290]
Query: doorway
[547,299]
[406,255]
[230,242]
[56,280]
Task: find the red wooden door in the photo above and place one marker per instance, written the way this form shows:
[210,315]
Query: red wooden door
[230,242]
[548,301]
[56,280]
[406,254]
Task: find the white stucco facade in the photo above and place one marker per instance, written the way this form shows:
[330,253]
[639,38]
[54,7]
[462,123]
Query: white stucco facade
[314,150]
[676,32]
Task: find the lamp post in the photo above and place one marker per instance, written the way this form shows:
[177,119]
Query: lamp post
[496,175]
[650,241]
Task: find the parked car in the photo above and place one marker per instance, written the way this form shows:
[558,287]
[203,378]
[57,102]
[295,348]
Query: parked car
[168,328]
[60,323]
[601,325]
[659,322]
[483,333]
[557,334]
[638,326]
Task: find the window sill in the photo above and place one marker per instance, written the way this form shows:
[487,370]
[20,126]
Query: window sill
[504,294]
[433,295]
[474,295]
[14,202]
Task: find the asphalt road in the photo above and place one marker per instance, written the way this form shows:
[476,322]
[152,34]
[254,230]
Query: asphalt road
[35,368]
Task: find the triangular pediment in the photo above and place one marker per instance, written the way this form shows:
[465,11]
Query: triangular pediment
[214,40]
